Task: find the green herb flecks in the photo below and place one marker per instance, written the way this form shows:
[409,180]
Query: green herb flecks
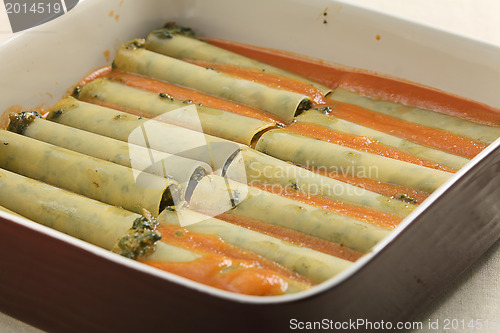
[324,109]
[135,44]
[20,121]
[304,105]
[140,239]
[171,28]
[405,198]
[167,96]
[76,91]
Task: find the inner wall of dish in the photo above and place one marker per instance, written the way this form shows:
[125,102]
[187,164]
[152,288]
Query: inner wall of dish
[337,15]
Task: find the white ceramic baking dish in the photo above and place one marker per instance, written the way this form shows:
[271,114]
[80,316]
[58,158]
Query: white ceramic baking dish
[59,283]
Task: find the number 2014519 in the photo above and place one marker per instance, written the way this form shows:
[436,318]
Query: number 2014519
[34,8]
[470,325]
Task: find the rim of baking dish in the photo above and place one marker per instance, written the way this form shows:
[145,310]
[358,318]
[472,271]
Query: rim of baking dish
[88,5]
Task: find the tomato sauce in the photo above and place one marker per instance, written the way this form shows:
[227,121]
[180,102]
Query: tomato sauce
[427,136]
[368,84]
[365,214]
[228,267]
[386,189]
[225,266]
[209,270]
[294,237]
[360,143]
[268,79]
[181,93]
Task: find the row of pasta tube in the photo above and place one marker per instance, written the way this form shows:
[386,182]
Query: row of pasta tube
[219,168]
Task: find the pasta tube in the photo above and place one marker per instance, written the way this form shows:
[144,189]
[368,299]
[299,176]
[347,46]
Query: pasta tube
[264,169]
[144,132]
[112,228]
[227,125]
[415,149]
[90,220]
[98,179]
[180,43]
[184,171]
[314,265]
[3,209]
[332,157]
[132,57]
[275,209]
[469,129]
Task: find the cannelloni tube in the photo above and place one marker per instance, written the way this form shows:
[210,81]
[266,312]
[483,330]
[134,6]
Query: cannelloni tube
[271,208]
[310,152]
[90,220]
[469,129]
[112,228]
[415,149]
[3,209]
[132,57]
[95,178]
[312,264]
[264,169]
[173,44]
[183,170]
[212,121]
[148,133]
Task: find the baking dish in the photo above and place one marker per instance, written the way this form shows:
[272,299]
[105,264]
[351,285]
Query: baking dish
[442,237]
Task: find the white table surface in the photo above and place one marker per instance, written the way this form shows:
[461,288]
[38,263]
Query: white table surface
[476,293]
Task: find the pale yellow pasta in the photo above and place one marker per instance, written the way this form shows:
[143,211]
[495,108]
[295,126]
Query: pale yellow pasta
[443,158]
[98,179]
[224,124]
[249,202]
[328,156]
[169,42]
[316,266]
[132,57]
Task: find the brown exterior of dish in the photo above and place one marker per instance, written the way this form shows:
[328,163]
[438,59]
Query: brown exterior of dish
[60,287]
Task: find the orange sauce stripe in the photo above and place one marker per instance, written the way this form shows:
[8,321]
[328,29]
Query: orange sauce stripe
[208,270]
[268,79]
[368,84]
[361,213]
[100,72]
[182,93]
[213,244]
[294,237]
[388,190]
[423,97]
[255,276]
[118,108]
[427,136]
[360,143]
